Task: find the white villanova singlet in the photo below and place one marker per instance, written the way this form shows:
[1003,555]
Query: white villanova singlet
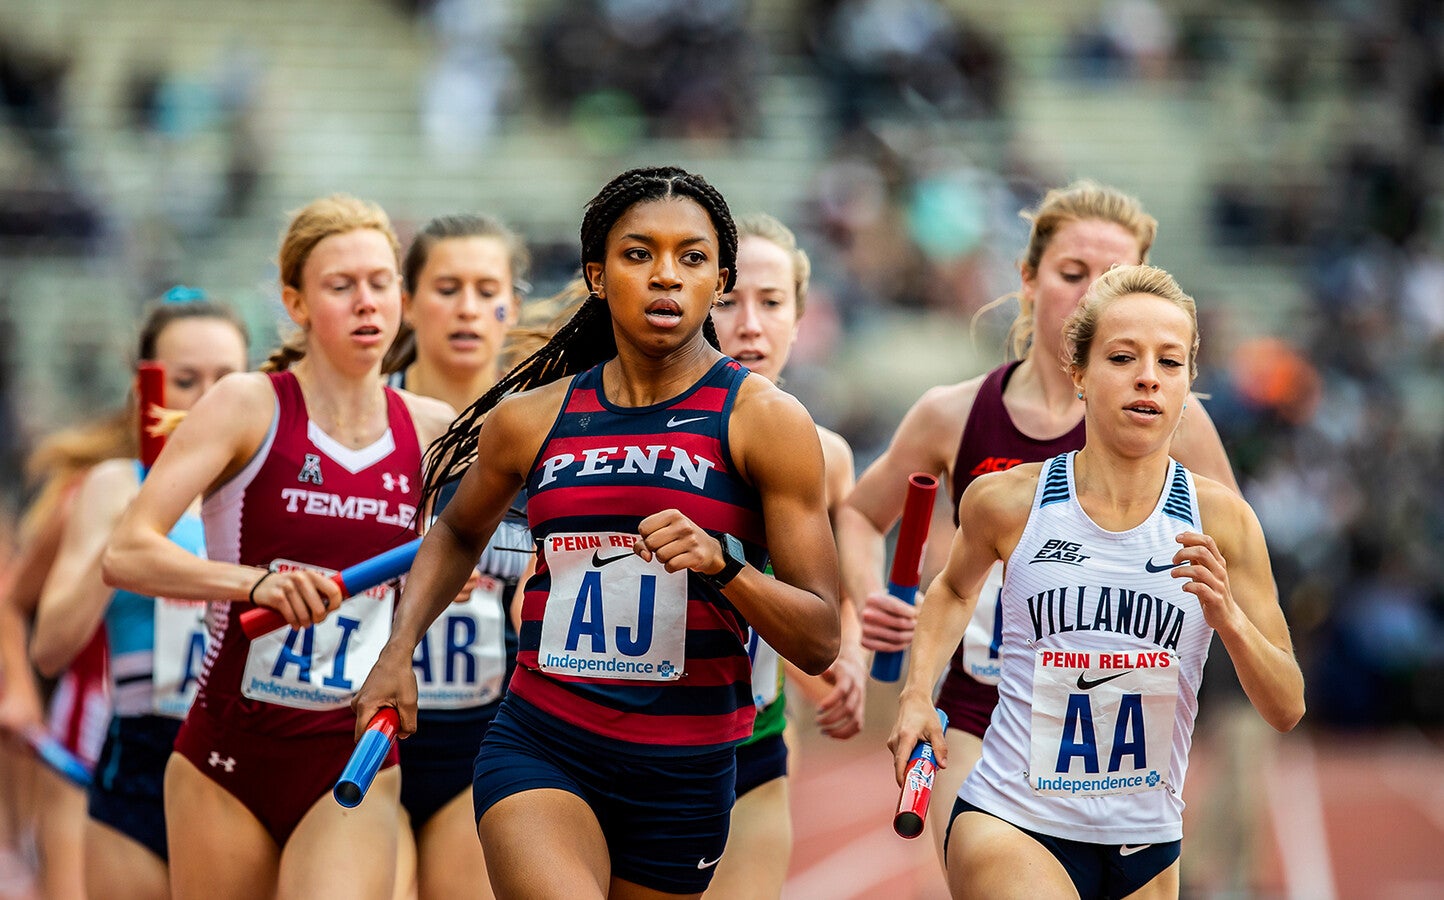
[1102,655]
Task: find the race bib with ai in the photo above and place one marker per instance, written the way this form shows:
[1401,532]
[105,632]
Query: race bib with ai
[322,666]
[983,639]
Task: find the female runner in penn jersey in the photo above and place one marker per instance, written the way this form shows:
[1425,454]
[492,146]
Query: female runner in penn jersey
[654,477]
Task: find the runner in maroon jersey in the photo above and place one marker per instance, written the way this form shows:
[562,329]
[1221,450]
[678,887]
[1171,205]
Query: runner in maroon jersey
[654,478]
[1023,411]
[305,469]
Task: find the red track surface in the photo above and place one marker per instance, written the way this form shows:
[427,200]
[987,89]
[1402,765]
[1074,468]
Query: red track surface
[1339,816]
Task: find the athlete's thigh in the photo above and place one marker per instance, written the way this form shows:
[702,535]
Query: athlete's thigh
[1164,886]
[544,843]
[759,846]
[59,823]
[217,848]
[406,886]
[340,852]
[964,751]
[449,860]
[622,889]
[989,858]
[116,866]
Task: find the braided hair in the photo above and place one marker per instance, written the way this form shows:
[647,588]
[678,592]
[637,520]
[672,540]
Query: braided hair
[587,338]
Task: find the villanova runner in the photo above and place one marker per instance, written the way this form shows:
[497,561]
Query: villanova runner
[655,473]
[305,469]
[1121,566]
[1022,411]
[156,645]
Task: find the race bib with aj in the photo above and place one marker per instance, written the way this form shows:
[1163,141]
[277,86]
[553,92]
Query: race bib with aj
[611,614]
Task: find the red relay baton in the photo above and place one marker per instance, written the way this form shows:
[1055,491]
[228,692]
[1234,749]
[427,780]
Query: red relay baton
[917,789]
[150,377]
[902,582]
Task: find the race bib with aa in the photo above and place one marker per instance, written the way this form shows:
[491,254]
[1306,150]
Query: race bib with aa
[1102,721]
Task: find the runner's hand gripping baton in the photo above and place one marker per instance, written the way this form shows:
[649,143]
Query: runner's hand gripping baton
[151,400]
[352,581]
[902,581]
[367,758]
[53,754]
[917,789]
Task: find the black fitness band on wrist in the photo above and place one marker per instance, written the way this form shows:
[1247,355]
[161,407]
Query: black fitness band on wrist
[252,595]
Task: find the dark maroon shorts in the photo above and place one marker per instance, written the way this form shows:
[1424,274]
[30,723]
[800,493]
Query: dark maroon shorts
[967,701]
[278,779]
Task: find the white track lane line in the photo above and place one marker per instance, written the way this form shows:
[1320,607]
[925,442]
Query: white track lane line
[1297,810]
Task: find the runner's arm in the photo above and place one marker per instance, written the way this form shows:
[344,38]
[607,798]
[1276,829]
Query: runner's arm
[1228,570]
[75,597]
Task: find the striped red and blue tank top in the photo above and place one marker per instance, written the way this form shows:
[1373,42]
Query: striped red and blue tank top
[613,645]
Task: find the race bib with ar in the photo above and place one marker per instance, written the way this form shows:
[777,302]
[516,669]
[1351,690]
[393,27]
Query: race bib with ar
[321,666]
[1102,721]
[461,661]
[610,614]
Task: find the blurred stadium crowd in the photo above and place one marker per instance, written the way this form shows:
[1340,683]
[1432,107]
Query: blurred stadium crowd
[1327,383]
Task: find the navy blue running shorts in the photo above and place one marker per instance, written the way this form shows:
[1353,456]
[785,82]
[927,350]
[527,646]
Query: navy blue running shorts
[126,792]
[437,761]
[1099,871]
[665,818]
[760,762]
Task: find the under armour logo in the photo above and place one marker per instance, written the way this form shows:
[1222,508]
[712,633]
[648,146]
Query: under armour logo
[395,482]
[311,469]
[229,763]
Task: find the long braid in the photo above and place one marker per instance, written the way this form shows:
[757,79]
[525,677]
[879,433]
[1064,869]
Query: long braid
[587,338]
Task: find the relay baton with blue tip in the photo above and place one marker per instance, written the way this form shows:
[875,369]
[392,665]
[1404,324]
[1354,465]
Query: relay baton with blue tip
[917,789]
[367,758]
[902,581]
[53,754]
[354,580]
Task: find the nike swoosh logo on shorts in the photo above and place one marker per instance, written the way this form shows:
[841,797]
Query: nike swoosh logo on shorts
[673,422]
[598,561]
[1130,849]
[1084,684]
[703,863]
[1163,568]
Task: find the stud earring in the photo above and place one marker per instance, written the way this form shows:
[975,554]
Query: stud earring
[1080,395]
